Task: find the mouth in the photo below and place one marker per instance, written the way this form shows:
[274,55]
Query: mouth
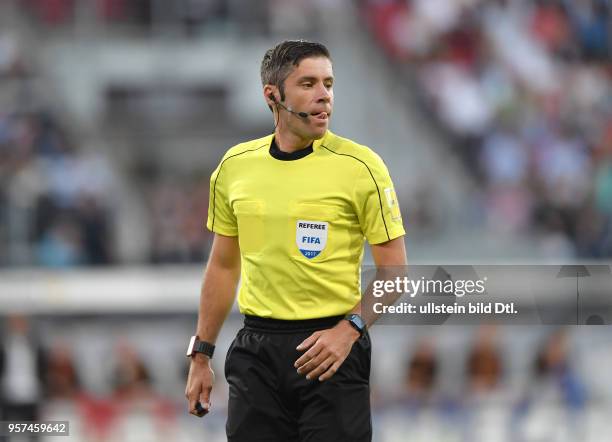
[320,115]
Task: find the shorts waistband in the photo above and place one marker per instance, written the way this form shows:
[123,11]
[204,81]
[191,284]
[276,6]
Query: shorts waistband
[271,325]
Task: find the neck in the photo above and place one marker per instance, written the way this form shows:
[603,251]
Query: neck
[290,142]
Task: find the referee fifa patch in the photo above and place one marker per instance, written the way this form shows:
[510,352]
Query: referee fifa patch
[311,237]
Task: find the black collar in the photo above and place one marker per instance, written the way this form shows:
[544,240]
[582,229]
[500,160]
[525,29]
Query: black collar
[289,156]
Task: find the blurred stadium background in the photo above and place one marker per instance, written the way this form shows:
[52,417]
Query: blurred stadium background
[494,117]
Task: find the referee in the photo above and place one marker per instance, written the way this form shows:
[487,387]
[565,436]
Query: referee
[290,213]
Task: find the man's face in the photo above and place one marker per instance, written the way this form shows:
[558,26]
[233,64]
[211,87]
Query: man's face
[309,88]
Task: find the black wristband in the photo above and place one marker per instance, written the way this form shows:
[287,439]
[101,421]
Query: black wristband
[204,347]
[357,323]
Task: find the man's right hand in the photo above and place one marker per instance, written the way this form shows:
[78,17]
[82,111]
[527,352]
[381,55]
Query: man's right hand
[199,385]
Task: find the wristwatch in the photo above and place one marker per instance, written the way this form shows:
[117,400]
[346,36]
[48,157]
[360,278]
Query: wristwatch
[197,346]
[357,322]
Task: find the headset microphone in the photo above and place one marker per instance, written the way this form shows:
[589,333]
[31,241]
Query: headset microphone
[288,109]
[301,114]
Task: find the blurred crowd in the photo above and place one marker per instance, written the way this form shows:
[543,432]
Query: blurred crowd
[522,88]
[46,382]
[49,378]
[59,195]
[191,18]
[55,196]
[549,405]
[178,210]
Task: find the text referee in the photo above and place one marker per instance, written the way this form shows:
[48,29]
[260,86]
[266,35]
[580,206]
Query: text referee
[290,213]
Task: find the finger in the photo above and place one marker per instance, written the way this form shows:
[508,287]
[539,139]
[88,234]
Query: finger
[330,371]
[199,404]
[313,363]
[205,398]
[310,340]
[320,368]
[191,403]
[310,354]
[188,384]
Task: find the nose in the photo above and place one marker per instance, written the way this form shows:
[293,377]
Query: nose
[325,95]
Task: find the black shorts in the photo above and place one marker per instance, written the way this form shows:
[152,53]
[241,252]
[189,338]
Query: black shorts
[270,401]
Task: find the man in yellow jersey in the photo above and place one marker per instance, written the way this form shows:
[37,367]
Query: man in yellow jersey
[290,213]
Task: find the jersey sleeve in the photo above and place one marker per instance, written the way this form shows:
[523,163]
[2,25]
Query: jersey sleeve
[376,203]
[221,217]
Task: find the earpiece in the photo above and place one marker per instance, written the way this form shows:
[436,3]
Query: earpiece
[288,109]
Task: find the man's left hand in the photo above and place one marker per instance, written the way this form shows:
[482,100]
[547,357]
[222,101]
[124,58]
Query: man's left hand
[326,351]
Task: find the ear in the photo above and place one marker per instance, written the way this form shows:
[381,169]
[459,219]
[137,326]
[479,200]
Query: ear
[270,92]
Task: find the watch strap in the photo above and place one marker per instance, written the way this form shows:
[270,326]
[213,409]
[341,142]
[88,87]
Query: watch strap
[204,347]
[357,323]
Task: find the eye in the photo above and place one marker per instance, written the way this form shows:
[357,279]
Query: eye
[307,85]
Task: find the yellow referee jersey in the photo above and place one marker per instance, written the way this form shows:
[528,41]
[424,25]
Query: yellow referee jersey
[301,220]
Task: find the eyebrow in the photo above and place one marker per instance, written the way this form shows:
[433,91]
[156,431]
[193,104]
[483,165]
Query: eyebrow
[313,79]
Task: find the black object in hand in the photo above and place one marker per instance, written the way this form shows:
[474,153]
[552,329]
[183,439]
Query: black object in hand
[200,411]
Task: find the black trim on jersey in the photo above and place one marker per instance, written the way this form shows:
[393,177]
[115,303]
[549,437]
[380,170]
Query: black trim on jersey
[212,227]
[375,183]
[288,156]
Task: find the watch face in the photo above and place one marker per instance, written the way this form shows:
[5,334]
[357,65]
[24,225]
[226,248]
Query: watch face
[357,322]
[191,344]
